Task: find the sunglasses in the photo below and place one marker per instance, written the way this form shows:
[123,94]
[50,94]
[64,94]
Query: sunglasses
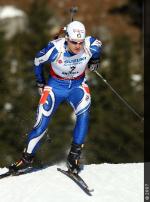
[75,43]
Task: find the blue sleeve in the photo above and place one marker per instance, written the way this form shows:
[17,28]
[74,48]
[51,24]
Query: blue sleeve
[95,48]
[38,71]
[46,55]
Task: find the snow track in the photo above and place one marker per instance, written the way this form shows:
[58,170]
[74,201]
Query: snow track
[111,183]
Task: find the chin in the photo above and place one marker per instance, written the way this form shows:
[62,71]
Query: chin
[76,51]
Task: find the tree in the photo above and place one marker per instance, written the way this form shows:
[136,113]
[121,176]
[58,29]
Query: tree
[25,98]
[6,105]
[134,9]
[21,84]
[114,133]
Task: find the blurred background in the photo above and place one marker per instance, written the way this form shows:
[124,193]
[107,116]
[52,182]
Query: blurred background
[115,133]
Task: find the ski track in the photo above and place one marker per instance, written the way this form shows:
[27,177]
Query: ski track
[111,183]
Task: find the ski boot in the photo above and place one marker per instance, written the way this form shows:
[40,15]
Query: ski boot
[73,163]
[24,163]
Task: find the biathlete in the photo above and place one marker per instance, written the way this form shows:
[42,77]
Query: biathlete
[69,57]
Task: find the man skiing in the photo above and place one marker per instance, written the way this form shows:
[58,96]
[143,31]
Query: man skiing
[69,57]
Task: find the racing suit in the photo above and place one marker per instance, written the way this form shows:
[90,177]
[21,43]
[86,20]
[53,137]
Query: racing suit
[66,82]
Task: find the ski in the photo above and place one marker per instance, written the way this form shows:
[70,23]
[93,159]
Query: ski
[17,173]
[8,173]
[78,180]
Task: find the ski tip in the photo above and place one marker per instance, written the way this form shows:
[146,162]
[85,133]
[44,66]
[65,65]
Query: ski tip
[91,190]
[59,169]
[5,175]
[78,180]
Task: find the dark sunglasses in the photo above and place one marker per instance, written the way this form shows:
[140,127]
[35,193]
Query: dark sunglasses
[75,43]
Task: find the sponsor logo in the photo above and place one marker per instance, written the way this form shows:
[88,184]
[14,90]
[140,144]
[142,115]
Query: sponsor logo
[70,73]
[77,60]
[41,60]
[79,35]
[78,30]
[60,61]
[87,98]
[97,43]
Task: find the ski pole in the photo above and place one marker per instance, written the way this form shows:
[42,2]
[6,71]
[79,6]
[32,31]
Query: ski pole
[73,11]
[124,101]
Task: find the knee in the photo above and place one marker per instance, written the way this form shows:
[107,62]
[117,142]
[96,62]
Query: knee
[84,113]
[84,116]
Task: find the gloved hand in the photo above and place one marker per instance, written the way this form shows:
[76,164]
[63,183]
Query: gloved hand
[93,64]
[40,87]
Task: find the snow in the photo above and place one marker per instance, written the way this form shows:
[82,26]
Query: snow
[10,12]
[111,182]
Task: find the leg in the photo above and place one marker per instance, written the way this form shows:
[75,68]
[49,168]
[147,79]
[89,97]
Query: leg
[81,127]
[48,104]
[80,100]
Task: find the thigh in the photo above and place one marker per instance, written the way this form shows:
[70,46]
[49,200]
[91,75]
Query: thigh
[48,103]
[80,98]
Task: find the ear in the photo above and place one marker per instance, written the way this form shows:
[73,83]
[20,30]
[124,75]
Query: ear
[67,38]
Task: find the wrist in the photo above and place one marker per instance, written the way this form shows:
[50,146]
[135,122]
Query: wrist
[40,85]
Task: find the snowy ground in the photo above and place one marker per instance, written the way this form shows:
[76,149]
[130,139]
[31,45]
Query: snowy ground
[111,183]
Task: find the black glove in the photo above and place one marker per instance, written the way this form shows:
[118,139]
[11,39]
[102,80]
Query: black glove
[93,64]
[40,87]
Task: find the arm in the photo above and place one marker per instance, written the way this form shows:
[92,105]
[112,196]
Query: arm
[43,56]
[95,48]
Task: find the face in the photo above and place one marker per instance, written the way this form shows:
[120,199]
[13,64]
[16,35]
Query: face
[74,46]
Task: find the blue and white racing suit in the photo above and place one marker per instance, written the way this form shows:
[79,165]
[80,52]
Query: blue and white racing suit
[66,83]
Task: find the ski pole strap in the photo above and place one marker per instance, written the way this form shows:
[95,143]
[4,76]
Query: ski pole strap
[124,101]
